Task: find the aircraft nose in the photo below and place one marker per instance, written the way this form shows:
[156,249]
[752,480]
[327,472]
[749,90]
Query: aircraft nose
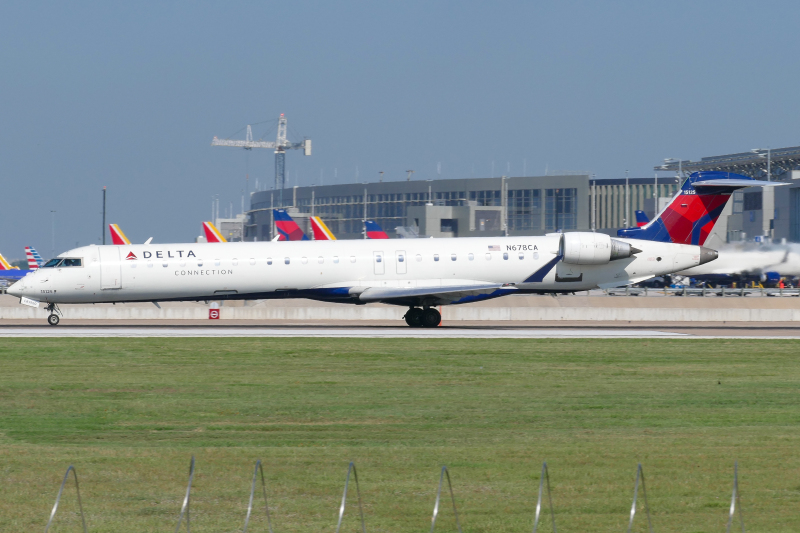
[707,255]
[15,289]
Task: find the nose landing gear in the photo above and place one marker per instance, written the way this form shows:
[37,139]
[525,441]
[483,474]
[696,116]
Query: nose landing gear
[53,319]
[427,318]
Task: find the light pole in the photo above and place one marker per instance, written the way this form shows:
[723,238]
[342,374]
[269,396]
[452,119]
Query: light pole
[760,153]
[53,229]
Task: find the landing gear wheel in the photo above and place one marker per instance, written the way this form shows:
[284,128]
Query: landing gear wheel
[53,320]
[431,318]
[414,317]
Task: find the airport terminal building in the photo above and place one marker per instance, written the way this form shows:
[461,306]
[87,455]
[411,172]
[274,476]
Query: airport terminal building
[531,205]
[535,205]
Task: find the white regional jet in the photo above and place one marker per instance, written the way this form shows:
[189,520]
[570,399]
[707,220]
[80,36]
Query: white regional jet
[418,273]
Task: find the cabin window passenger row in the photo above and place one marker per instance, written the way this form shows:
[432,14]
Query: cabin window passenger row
[521,255]
[335,258]
[286,260]
[435,257]
[352,259]
[216,262]
[488,256]
[536,255]
[165,264]
[149,264]
[505,256]
[320,260]
[304,260]
[199,262]
[269,260]
[252,261]
[452,257]
[419,258]
[235,262]
[471,257]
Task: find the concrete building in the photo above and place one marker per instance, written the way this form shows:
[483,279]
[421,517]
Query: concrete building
[453,207]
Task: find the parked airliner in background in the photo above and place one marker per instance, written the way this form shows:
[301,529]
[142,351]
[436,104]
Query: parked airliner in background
[418,273]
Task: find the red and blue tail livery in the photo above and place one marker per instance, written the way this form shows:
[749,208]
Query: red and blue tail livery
[374,231]
[641,219]
[691,215]
[287,227]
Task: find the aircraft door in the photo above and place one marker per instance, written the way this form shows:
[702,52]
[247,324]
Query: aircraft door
[379,260]
[401,259]
[110,268]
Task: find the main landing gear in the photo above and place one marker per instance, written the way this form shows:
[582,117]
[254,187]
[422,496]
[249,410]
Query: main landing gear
[53,319]
[423,318]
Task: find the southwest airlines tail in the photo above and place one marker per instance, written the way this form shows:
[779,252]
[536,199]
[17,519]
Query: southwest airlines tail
[695,209]
[374,231]
[321,231]
[34,259]
[641,219]
[212,233]
[117,237]
[5,265]
[287,227]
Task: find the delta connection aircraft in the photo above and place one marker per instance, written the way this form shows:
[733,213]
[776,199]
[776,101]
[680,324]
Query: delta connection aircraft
[417,273]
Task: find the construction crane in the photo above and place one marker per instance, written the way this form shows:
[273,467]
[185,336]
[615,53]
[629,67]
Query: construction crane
[280,146]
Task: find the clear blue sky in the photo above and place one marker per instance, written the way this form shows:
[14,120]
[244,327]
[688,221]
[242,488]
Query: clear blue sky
[130,94]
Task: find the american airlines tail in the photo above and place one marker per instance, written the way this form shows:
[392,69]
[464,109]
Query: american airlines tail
[374,231]
[34,259]
[691,215]
[212,233]
[321,231]
[117,236]
[287,227]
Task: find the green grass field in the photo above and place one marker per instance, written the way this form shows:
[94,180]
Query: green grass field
[130,413]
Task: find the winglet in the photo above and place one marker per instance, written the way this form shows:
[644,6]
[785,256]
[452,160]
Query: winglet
[212,233]
[117,236]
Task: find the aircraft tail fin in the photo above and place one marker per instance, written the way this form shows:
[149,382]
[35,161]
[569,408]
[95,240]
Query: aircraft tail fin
[287,227]
[5,265]
[641,219]
[117,236]
[694,210]
[321,231]
[374,231]
[212,233]
[33,264]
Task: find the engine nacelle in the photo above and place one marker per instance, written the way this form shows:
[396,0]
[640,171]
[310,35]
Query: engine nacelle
[583,248]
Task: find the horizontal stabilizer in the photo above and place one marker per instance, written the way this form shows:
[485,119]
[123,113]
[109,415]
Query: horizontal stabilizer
[738,184]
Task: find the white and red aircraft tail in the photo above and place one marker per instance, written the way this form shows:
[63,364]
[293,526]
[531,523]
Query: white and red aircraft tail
[33,257]
[117,237]
[212,233]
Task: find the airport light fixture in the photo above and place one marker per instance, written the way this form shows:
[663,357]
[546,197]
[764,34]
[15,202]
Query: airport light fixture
[671,161]
[765,152]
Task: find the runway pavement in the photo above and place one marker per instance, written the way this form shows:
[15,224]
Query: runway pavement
[475,332]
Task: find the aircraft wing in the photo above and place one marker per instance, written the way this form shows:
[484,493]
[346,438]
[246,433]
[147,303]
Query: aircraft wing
[437,295]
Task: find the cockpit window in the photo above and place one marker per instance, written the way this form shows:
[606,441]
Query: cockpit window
[72,262]
[52,263]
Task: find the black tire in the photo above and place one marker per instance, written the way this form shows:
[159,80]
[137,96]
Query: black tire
[53,320]
[431,318]
[414,317]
